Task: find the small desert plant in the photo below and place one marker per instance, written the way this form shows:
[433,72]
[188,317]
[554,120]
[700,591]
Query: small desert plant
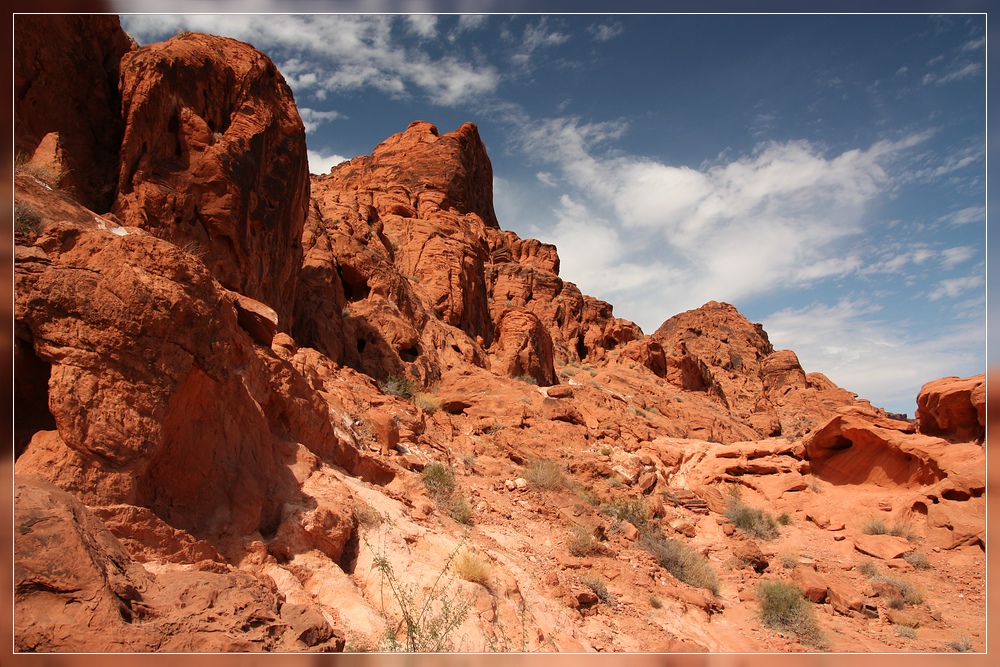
[459,510]
[427,402]
[527,379]
[963,645]
[783,608]
[917,559]
[789,560]
[440,482]
[868,568]
[615,481]
[367,515]
[904,631]
[655,602]
[784,518]
[875,527]
[427,625]
[635,511]
[544,475]
[753,521]
[582,542]
[26,218]
[680,560]
[605,451]
[636,411]
[471,566]
[596,584]
[397,386]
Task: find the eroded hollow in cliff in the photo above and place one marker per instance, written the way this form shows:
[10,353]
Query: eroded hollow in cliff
[858,457]
[31,396]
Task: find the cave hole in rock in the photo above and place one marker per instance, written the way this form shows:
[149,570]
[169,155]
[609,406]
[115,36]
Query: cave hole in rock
[919,508]
[349,556]
[840,442]
[31,396]
[581,348]
[361,345]
[410,354]
[355,285]
[955,494]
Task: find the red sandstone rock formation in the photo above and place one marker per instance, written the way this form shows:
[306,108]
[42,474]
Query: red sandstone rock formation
[66,87]
[953,408]
[213,159]
[249,481]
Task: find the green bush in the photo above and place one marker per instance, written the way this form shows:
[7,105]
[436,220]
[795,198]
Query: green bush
[680,560]
[784,518]
[753,521]
[783,608]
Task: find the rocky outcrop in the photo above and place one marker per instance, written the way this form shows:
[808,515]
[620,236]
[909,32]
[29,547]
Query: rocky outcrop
[75,60]
[94,597]
[953,408]
[523,347]
[213,159]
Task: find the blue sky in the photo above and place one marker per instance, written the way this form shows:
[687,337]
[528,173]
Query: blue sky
[823,173]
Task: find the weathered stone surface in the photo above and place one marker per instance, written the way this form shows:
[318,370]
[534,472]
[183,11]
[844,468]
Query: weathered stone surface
[522,347]
[73,59]
[811,582]
[953,408]
[213,159]
[885,547]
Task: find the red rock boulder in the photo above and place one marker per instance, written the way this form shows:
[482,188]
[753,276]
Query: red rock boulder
[953,408]
[214,160]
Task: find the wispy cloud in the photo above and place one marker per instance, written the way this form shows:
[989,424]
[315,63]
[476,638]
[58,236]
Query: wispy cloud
[966,215]
[952,257]
[603,32]
[330,53]
[849,343]
[730,230]
[957,74]
[953,287]
[313,119]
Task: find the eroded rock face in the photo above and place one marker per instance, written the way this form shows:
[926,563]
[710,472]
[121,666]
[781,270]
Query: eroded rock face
[75,60]
[214,160]
[953,408]
[147,409]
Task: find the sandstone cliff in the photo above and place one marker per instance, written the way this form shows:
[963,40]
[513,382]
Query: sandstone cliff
[263,411]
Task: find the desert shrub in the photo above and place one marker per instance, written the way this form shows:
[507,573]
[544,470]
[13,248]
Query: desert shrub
[789,560]
[783,608]
[605,451]
[582,542]
[868,568]
[917,559]
[544,475]
[680,560]
[459,510]
[440,481]
[397,386]
[366,515]
[615,481]
[875,527]
[427,402]
[596,584]
[428,624]
[655,602]
[962,645]
[527,379]
[471,566]
[26,218]
[784,518]
[753,521]
[904,631]
[635,511]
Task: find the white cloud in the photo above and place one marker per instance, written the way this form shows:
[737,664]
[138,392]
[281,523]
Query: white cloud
[422,25]
[606,31]
[975,44]
[546,179]
[740,228]
[321,164]
[952,287]
[861,353]
[957,74]
[312,119]
[966,215]
[955,256]
[330,53]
